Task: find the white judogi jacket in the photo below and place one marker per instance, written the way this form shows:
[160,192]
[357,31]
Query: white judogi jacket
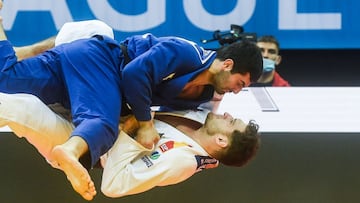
[129,168]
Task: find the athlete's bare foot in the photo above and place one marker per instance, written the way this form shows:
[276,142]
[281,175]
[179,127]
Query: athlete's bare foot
[75,172]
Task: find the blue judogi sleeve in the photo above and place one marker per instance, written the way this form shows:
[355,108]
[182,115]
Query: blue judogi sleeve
[8,54]
[168,58]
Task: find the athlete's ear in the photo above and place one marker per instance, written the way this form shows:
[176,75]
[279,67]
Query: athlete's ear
[228,64]
[221,140]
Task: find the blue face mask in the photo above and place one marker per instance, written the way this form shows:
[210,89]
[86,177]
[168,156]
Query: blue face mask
[268,65]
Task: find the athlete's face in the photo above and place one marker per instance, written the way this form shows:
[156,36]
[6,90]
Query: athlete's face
[227,82]
[224,124]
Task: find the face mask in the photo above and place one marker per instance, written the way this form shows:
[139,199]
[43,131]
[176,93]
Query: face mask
[268,65]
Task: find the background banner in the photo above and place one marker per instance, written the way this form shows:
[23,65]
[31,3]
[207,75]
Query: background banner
[298,24]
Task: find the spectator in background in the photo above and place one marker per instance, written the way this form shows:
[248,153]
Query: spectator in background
[270,51]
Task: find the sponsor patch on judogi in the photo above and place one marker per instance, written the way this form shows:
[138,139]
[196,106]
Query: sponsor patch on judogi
[147,161]
[171,144]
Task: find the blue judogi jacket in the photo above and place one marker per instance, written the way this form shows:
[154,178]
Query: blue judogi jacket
[89,76]
[160,68]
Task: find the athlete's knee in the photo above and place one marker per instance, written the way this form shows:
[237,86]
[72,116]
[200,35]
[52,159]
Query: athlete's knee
[18,107]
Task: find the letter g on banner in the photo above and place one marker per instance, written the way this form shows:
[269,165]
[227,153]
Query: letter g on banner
[154,16]
[197,15]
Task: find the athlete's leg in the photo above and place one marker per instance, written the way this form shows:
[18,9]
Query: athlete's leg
[91,77]
[30,118]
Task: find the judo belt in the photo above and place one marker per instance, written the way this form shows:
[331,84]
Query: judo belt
[125,108]
[125,52]
[123,48]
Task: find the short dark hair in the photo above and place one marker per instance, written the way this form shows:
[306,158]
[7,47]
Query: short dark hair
[270,39]
[243,147]
[246,56]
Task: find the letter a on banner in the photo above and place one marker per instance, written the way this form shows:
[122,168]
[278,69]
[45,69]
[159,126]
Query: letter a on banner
[58,9]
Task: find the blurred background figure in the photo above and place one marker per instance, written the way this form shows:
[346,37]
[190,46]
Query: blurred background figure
[270,48]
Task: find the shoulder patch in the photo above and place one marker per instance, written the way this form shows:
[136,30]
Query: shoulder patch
[204,162]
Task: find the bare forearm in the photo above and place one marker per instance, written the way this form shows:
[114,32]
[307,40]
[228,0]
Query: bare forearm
[31,50]
[34,49]
[2,32]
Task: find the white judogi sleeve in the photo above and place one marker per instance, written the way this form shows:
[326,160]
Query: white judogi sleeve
[130,168]
[81,30]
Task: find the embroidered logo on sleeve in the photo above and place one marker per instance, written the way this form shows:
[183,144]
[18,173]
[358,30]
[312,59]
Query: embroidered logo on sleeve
[170,76]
